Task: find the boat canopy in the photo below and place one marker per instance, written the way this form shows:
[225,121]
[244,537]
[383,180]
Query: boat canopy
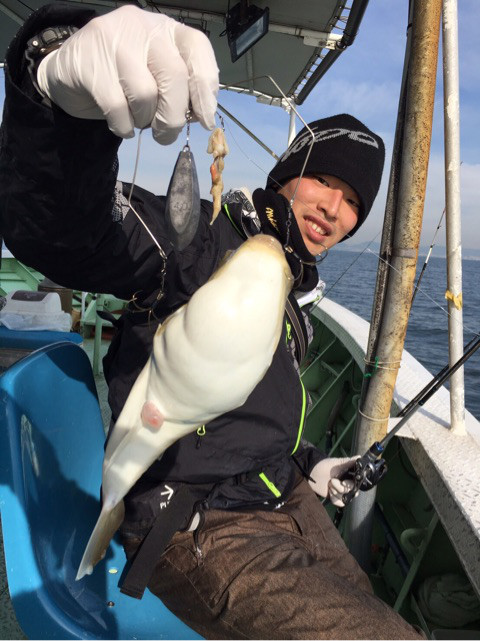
[304,38]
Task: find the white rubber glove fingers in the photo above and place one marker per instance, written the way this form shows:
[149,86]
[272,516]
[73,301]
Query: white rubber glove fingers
[84,77]
[336,490]
[184,67]
[126,67]
[203,73]
[327,469]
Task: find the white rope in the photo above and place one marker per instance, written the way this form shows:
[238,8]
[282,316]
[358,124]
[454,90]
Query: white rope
[374,420]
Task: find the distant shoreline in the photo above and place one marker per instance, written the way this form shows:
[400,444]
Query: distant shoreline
[438,252]
[352,250]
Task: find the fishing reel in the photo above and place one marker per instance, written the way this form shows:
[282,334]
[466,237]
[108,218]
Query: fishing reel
[368,470]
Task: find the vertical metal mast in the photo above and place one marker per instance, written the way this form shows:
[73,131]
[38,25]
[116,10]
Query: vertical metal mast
[452,201]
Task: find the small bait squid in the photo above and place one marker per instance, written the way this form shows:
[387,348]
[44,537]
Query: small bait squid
[217,145]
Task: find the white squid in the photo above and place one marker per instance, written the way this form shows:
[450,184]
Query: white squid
[207,358]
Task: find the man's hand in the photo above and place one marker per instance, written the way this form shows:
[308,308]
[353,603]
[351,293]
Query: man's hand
[326,478]
[134,69]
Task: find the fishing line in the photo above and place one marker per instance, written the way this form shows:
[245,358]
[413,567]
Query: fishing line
[294,197]
[273,179]
[360,254]
[428,257]
[137,158]
[230,133]
[472,331]
[424,293]
[367,249]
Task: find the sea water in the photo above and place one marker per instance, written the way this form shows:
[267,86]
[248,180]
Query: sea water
[350,281]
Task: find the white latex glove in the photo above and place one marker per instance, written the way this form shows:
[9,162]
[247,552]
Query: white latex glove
[134,69]
[326,482]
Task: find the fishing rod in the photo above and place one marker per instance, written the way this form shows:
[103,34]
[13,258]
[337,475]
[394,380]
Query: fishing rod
[441,373]
[369,469]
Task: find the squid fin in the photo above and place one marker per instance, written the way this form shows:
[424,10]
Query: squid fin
[108,523]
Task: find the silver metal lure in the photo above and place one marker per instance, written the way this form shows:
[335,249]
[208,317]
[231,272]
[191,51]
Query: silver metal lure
[183,199]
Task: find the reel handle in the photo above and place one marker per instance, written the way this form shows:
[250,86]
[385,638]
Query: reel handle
[366,473]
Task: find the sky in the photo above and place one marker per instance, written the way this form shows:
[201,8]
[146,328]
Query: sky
[364,81]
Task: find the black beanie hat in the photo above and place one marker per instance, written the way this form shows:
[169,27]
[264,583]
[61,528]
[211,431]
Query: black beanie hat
[344,148]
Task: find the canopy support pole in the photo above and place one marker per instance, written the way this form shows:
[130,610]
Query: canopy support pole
[453,210]
[291,128]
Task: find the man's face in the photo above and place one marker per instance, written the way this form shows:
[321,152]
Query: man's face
[325,207]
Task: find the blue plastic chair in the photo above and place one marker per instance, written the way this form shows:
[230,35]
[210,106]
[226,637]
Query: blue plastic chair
[51,450]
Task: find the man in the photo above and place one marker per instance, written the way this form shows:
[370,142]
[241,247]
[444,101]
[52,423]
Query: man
[252,553]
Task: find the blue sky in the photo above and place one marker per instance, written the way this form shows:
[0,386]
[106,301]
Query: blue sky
[365,82]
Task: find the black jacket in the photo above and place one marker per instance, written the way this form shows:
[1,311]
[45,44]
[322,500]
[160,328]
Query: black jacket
[59,214]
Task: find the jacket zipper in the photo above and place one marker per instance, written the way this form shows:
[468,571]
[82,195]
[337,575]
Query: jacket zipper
[201,431]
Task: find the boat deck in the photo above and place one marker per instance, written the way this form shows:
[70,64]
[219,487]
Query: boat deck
[446,462]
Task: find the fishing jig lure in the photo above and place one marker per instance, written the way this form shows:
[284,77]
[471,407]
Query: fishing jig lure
[183,198]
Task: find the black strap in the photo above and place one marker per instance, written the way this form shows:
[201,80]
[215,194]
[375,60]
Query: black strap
[295,316]
[108,316]
[167,523]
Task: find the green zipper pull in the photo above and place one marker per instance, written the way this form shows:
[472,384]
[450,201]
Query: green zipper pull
[201,431]
[289,331]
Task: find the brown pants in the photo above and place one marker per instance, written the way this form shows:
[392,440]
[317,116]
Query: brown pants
[271,575]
